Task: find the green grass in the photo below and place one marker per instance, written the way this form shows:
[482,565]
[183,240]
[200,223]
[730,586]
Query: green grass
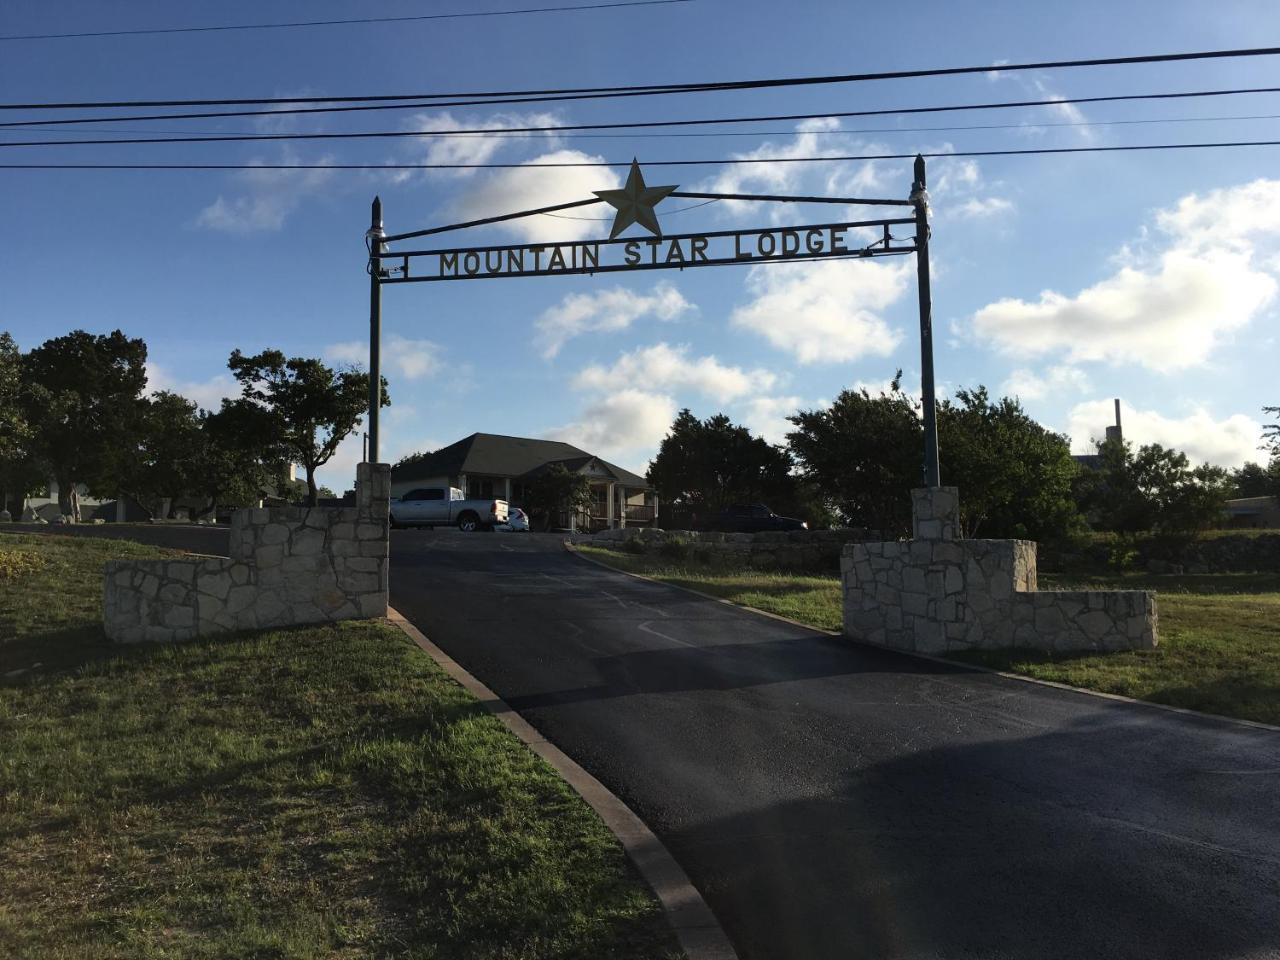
[1219,646]
[310,792]
[811,599]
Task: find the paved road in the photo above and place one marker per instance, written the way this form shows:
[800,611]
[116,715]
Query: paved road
[834,801]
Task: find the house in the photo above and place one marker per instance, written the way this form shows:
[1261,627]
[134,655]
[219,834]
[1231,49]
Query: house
[1253,512]
[490,465]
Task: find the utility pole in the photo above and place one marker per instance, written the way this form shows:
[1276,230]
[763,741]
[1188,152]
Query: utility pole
[920,197]
[373,240]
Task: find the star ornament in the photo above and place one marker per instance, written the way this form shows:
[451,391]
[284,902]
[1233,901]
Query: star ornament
[635,203]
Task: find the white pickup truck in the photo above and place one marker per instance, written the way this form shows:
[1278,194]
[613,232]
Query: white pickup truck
[445,506]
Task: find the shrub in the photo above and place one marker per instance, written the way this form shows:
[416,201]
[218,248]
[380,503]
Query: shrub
[676,549]
[15,564]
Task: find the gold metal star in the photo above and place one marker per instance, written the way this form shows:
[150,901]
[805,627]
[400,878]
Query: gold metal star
[635,203]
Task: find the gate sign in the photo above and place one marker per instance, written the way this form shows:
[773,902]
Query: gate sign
[635,204]
[809,242]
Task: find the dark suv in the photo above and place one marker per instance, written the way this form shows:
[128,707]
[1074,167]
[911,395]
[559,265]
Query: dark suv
[753,518]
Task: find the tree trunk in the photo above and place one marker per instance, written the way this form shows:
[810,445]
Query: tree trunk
[311,485]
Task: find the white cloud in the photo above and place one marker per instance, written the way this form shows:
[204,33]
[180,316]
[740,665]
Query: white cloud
[1028,385]
[207,394]
[663,367]
[613,309]
[767,416]
[978,208]
[1228,442]
[827,311]
[627,424]
[411,359]
[472,148]
[1171,300]
[269,197]
[533,185]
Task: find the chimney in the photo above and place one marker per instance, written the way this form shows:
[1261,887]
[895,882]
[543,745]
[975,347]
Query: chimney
[1115,433]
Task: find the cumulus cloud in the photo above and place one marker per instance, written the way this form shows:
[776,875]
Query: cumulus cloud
[1169,303]
[825,311]
[1029,385]
[979,208]
[1228,442]
[267,199]
[767,416]
[665,367]
[536,184]
[207,394]
[627,424]
[411,359]
[471,148]
[613,309]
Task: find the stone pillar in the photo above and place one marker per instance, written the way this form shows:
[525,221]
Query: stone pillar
[935,513]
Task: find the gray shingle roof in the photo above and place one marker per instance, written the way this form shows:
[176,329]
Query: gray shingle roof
[495,455]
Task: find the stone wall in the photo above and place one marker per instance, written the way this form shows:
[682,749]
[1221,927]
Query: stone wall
[287,566]
[807,550]
[935,594]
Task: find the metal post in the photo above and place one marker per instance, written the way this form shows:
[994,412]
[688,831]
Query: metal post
[920,197]
[374,240]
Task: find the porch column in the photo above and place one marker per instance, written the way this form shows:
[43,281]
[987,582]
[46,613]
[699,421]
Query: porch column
[608,508]
[622,507]
[506,483]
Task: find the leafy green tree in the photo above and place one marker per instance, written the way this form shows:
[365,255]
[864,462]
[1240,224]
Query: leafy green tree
[557,491]
[312,407]
[865,453]
[83,402]
[20,475]
[1255,480]
[1014,475]
[239,458]
[706,465]
[1154,488]
[166,457]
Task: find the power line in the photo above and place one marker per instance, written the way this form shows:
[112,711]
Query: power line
[1031,151]
[336,23]
[774,118]
[214,137]
[588,93]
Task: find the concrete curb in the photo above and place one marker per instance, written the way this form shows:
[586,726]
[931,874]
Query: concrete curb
[976,668]
[698,932]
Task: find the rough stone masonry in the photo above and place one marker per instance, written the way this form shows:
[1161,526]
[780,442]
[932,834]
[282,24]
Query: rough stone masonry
[937,593]
[287,566]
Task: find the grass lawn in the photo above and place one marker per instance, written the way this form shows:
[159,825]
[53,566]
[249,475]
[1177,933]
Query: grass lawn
[310,792]
[1219,646]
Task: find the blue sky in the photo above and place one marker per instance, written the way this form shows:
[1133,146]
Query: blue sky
[1068,280]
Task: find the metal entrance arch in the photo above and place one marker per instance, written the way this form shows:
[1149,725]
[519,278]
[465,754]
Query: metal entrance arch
[635,204]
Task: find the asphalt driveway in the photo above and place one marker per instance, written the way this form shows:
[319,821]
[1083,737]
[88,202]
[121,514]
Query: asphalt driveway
[837,801]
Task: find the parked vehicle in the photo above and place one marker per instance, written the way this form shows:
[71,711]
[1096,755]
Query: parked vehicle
[445,506]
[753,518]
[517,521]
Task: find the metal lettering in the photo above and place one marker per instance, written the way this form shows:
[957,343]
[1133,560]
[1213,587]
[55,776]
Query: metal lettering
[632,252]
[813,241]
[591,251]
[698,249]
[557,259]
[760,244]
[837,240]
[471,262]
[449,263]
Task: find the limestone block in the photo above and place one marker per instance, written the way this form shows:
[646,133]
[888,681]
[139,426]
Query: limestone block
[954,579]
[1049,620]
[306,542]
[373,604]
[180,616]
[182,570]
[173,593]
[1095,624]
[215,584]
[150,585]
[913,580]
[369,531]
[239,573]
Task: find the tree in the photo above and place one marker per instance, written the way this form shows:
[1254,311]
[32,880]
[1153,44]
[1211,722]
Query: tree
[19,473]
[1014,475]
[1153,489]
[865,453]
[166,458]
[239,458]
[82,399]
[1271,432]
[557,491]
[708,464]
[1255,480]
[312,407]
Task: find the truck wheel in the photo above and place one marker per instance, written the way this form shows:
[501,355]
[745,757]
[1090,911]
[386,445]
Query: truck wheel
[468,522]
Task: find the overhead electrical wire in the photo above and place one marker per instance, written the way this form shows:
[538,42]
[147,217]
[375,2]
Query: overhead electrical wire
[1030,151]
[587,93]
[214,137]
[772,118]
[336,23]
